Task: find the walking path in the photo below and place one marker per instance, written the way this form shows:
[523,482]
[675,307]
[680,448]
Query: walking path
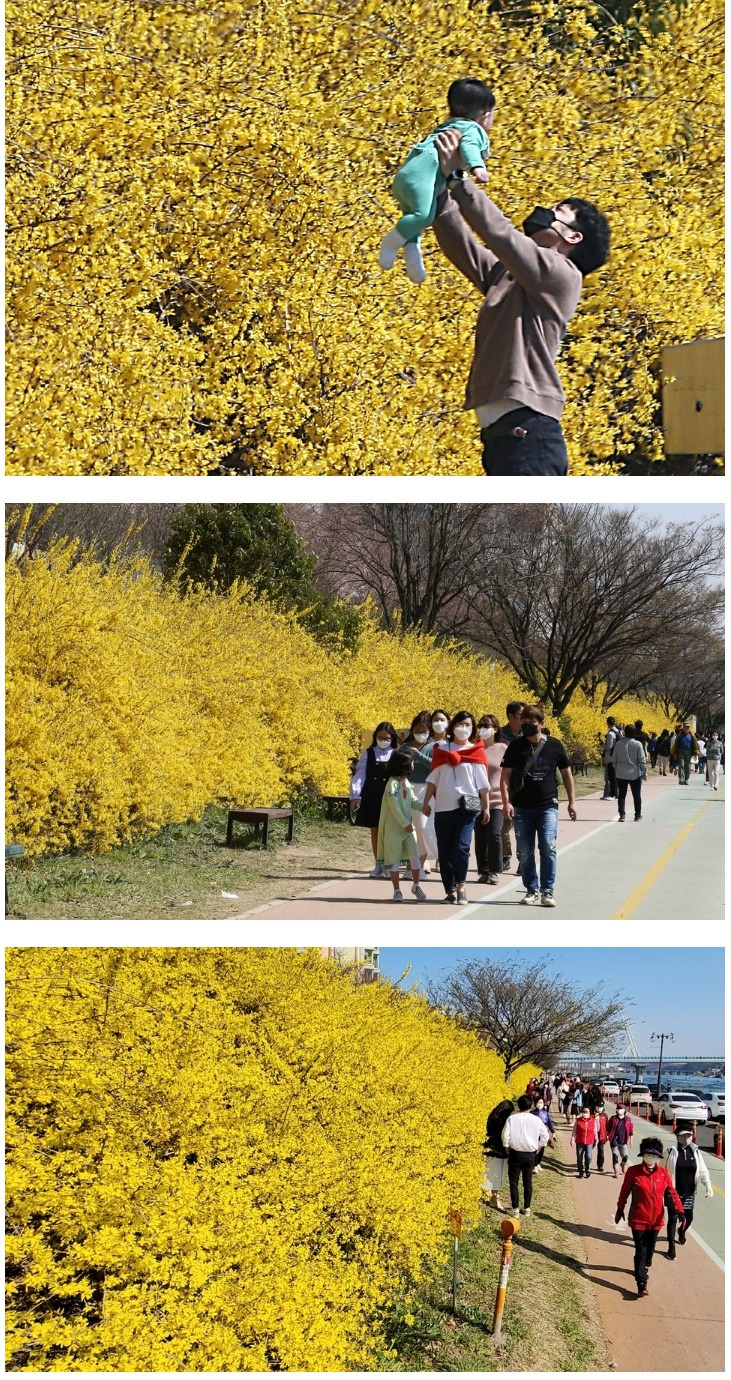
[680,1327]
[668,866]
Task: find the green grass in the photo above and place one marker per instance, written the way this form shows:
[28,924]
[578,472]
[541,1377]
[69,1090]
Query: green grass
[550,1320]
[182,871]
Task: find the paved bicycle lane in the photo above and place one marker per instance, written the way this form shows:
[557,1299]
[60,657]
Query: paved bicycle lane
[639,872]
[680,1326]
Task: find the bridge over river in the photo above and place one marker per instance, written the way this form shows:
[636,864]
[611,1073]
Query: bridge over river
[593,1065]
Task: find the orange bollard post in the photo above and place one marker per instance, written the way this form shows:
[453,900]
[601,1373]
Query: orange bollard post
[508,1228]
[695,1128]
[718,1145]
[675,1123]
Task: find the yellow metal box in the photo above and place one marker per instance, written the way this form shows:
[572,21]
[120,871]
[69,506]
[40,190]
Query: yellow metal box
[692,398]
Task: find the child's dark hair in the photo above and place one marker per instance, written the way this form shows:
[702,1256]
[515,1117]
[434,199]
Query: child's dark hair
[399,763]
[386,727]
[593,251]
[469,98]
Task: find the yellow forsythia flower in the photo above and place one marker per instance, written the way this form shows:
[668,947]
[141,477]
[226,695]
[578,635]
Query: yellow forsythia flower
[196,196]
[130,707]
[226,1159]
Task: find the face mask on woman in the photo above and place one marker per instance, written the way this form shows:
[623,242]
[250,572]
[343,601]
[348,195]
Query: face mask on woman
[649,1160]
[439,725]
[420,737]
[621,1114]
[486,733]
[383,742]
[462,733]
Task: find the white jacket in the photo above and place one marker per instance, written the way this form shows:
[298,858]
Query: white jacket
[525,1132]
[702,1175]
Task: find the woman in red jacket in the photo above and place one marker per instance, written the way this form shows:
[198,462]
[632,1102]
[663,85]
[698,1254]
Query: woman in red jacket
[648,1183]
[583,1137]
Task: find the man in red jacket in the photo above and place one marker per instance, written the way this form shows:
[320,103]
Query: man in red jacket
[648,1183]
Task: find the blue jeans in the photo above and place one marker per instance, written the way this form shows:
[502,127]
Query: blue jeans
[528,824]
[453,829]
[583,1158]
[539,449]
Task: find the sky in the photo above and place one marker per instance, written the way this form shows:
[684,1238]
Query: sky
[678,512]
[672,990]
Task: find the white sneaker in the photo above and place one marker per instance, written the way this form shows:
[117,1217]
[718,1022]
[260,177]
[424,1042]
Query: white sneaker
[398,895]
[377,871]
[538,1169]
[493,878]
[425,872]
[461,896]
[531,898]
[414,262]
[390,246]
[547,898]
[525,1212]
[418,892]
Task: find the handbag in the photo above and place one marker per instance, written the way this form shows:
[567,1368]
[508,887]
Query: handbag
[471,804]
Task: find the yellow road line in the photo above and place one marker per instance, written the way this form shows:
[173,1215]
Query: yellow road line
[636,898]
[718,1190]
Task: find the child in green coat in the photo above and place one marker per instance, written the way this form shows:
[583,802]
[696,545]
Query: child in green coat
[396,834]
[419,181]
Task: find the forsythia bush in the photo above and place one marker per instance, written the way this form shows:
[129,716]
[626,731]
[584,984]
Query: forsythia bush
[196,196]
[129,706]
[226,1159]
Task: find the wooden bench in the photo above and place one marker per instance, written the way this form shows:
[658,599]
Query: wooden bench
[579,766]
[335,805]
[259,816]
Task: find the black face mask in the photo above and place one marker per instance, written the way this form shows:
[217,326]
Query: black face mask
[530,729]
[539,219]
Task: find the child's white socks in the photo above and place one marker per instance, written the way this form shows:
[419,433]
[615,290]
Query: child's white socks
[390,246]
[414,262]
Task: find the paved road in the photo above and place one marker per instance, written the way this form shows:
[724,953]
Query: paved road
[668,866]
[680,1326]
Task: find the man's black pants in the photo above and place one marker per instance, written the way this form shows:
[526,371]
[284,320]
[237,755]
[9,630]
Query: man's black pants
[644,1251]
[636,789]
[524,442]
[521,1162]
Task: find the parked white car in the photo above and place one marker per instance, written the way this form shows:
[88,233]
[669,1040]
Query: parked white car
[715,1102]
[611,1089]
[679,1106]
[637,1093]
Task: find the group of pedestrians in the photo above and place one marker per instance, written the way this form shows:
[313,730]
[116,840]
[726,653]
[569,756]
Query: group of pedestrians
[625,755]
[648,1188]
[455,777]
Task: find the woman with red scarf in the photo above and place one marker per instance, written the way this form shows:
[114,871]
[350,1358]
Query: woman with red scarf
[459,786]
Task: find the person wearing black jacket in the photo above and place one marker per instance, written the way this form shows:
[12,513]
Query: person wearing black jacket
[663,752]
[529,782]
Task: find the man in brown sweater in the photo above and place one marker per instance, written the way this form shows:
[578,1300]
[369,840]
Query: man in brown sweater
[531,283]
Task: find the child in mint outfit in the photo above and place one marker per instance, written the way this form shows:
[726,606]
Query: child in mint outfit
[396,836]
[419,181]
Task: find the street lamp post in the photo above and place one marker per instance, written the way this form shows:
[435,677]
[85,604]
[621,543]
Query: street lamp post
[662,1036]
